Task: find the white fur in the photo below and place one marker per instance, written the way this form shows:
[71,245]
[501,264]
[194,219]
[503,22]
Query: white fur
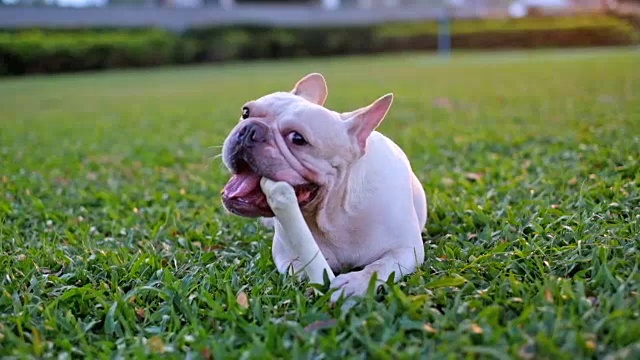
[377,226]
[282,199]
[372,208]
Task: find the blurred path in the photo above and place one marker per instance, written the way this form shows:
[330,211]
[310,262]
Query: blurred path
[182,18]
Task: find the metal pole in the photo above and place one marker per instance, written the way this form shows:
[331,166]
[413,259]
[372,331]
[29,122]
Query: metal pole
[444,33]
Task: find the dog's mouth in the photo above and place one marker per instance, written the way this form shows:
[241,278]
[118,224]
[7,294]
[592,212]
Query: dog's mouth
[243,196]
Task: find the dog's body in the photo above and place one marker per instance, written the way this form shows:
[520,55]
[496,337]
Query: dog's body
[356,188]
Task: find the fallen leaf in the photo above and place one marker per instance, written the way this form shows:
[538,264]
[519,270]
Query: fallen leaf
[476,329]
[473,176]
[4,179]
[447,181]
[91,176]
[606,99]
[527,351]
[428,328]
[206,353]
[211,248]
[322,324]
[156,344]
[140,313]
[592,176]
[311,291]
[548,296]
[132,299]
[443,103]
[62,181]
[472,236]
[572,181]
[242,300]
[21,257]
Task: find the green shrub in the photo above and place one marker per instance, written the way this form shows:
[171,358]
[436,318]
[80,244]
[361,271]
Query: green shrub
[51,51]
[39,51]
[532,24]
[512,33]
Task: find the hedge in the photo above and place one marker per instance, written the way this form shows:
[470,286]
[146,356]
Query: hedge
[50,52]
[527,24]
[53,51]
[514,33]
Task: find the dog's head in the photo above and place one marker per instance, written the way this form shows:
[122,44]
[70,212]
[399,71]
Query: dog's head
[292,137]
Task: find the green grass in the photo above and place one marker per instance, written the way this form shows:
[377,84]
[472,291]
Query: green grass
[114,241]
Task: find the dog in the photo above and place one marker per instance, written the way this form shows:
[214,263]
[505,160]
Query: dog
[356,188]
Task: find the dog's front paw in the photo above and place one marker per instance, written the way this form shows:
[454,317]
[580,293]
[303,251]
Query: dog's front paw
[350,284]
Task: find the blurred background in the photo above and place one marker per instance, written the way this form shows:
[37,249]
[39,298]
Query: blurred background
[53,36]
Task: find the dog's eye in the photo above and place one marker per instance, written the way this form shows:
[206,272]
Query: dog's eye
[297,139]
[245,112]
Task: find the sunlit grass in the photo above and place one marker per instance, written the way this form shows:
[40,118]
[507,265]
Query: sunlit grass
[114,241]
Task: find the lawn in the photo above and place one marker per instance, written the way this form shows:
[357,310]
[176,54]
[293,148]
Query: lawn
[114,242]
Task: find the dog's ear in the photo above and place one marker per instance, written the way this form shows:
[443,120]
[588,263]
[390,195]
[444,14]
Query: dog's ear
[362,122]
[312,87]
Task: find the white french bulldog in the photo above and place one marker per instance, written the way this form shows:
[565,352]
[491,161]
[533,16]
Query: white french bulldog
[356,189]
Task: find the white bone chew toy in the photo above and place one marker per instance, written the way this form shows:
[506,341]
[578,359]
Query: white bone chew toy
[282,199]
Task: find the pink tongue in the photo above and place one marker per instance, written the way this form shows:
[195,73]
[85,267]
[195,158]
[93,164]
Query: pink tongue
[241,185]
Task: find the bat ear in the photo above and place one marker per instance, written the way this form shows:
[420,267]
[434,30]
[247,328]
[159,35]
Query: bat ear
[362,122]
[312,87]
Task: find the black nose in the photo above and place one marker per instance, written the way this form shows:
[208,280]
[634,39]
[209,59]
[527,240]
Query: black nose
[252,133]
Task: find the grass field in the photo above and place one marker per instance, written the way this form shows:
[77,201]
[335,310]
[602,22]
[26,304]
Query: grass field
[114,241]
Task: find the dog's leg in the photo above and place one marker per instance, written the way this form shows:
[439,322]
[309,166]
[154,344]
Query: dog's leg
[419,201]
[400,262]
[286,261]
[269,223]
[295,233]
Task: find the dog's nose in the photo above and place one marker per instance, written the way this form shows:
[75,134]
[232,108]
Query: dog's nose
[252,133]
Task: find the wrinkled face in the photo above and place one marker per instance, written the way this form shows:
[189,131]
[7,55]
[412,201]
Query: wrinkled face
[291,137]
[284,138]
